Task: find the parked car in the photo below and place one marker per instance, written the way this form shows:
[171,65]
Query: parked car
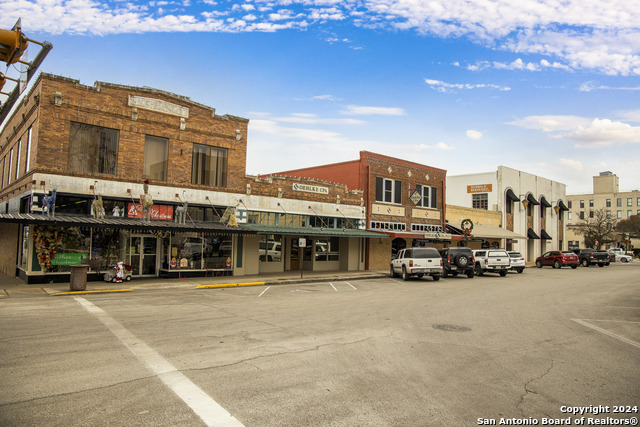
[457,260]
[618,255]
[417,262]
[588,257]
[517,261]
[491,261]
[558,259]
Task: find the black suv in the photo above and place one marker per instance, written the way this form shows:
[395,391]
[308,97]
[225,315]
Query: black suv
[457,261]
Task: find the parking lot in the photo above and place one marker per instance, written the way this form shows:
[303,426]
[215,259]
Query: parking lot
[458,351]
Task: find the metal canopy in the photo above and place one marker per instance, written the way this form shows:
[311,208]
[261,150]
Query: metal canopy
[310,231]
[122,223]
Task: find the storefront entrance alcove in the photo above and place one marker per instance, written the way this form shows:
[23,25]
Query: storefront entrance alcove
[143,252]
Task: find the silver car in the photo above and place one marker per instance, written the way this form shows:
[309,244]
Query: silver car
[517,261]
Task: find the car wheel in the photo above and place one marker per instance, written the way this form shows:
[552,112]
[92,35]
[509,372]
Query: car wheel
[420,275]
[585,263]
[574,266]
[556,264]
[391,272]
[538,264]
[454,273]
[478,270]
[471,273]
[113,280]
[462,261]
[503,273]
[624,260]
[128,278]
[606,263]
[445,273]
[405,275]
[436,278]
[601,265]
[520,270]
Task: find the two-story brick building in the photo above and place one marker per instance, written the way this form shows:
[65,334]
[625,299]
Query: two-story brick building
[99,151]
[404,200]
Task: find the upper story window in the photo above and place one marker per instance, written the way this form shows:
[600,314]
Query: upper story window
[570,204]
[429,196]
[93,149]
[581,204]
[608,203]
[618,202]
[480,201]
[209,166]
[156,158]
[629,201]
[388,190]
[591,203]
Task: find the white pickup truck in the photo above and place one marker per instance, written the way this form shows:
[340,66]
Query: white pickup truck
[492,261]
[618,254]
[417,262]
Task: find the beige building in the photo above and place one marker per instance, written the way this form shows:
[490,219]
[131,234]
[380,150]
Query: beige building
[606,195]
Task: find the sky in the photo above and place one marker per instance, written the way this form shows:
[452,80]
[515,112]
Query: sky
[548,87]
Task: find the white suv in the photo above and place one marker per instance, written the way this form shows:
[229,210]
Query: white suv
[417,262]
[492,261]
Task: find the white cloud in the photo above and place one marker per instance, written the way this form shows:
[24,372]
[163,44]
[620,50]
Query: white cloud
[474,134]
[361,110]
[573,164]
[425,147]
[592,132]
[445,87]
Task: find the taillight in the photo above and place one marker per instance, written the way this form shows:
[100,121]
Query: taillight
[440,262]
[486,260]
[591,255]
[410,263]
[473,260]
[448,259]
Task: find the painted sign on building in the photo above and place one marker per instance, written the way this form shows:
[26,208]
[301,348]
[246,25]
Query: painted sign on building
[387,210]
[425,214]
[157,211]
[310,188]
[479,188]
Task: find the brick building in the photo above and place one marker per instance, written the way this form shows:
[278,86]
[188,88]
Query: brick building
[102,149]
[404,200]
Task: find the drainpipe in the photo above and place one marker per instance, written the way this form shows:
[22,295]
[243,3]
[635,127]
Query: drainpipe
[367,217]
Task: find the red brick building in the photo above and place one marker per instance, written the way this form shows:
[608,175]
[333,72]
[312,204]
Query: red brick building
[103,147]
[404,200]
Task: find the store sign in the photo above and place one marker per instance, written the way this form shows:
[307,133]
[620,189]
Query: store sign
[480,188]
[416,197]
[158,105]
[317,189]
[67,259]
[425,214]
[437,235]
[387,210]
[157,211]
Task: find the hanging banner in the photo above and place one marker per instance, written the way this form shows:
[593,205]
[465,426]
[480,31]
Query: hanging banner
[157,211]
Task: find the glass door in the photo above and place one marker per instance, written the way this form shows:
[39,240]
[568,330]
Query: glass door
[143,252]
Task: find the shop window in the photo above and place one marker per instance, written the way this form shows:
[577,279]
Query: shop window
[270,248]
[429,196]
[388,190]
[209,166]
[480,201]
[156,158]
[328,249]
[93,149]
[56,249]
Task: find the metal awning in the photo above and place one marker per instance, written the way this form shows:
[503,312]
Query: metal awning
[511,196]
[310,231]
[123,223]
[532,199]
[493,232]
[544,235]
[563,207]
[532,234]
[544,202]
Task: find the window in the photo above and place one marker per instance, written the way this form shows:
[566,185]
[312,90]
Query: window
[480,201]
[93,149]
[388,190]
[581,214]
[388,226]
[591,203]
[581,204]
[570,204]
[328,249]
[618,202]
[569,216]
[18,158]
[608,214]
[4,162]
[638,202]
[27,161]
[156,158]
[209,166]
[10,164]
[619,214]
[591,214]
[608,203]
[429,197]
[270,248]
[629,201]
[629,213]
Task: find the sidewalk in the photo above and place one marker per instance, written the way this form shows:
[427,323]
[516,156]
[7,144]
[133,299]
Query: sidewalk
[13,287]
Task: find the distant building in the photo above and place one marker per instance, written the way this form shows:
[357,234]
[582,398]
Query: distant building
[606,196]
[532,208]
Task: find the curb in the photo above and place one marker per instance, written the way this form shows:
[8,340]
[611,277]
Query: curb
[229,285]
[91,292]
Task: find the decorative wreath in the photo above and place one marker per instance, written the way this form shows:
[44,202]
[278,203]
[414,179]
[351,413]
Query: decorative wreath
[467,225]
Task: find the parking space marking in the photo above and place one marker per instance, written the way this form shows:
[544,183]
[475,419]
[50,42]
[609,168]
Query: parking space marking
[604,331]
[261,293]
[354,288]
[201,403]
[334,288]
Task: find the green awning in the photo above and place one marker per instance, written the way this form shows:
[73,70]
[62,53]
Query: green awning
[310,231]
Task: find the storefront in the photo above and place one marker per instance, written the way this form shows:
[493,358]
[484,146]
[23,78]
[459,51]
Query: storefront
[48,247]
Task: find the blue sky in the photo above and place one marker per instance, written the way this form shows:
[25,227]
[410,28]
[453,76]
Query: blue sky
[549,87]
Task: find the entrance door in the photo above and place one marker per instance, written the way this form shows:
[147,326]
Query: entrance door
[143,255]
[295,255]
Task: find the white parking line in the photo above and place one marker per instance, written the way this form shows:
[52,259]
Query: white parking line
[604,331]
[354,288]
[264,291]
[202,404]
[334,288]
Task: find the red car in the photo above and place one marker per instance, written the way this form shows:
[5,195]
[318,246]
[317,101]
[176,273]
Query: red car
[558,259]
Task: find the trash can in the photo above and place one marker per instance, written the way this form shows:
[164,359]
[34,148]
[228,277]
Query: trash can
[78,281]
